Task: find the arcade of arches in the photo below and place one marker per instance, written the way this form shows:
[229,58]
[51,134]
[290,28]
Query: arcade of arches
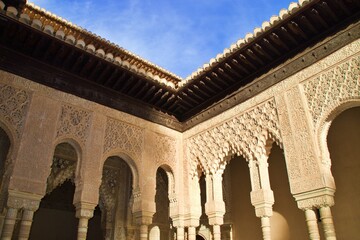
[283,164]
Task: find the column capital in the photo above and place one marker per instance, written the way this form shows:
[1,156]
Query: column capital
[84,210]
[143,217]
[23,200]
[315,199]
[262,200]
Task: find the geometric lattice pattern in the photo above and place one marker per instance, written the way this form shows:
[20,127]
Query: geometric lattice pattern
[332,87]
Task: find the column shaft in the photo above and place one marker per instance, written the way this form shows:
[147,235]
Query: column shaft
[217,232]
[9,224]
[191,233]
[180,233]
[82,228]
[328,224]
[266,229]
[312,225]
[25,226]
[143,232]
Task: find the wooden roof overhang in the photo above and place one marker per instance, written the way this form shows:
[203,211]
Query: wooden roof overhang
[237,76]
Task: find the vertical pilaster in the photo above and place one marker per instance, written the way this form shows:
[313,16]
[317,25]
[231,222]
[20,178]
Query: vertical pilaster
[328,224]
[311,222]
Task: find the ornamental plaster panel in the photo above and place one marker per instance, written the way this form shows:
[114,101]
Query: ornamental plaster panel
[74,121]
[165,150]
[61,170]
[327,90]
[14,103]
[126,137]
[246,135]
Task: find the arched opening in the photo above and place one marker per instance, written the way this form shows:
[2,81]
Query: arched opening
[55,218]
[344,148]
[4,152]
[288,221]
[198,237]
[236,192]
[161,218]
[116,199]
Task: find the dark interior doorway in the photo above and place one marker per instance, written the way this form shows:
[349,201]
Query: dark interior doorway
[198,237]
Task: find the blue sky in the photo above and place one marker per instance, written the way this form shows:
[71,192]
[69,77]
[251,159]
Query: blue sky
[178,35]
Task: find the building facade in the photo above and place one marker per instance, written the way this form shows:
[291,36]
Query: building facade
[276,157]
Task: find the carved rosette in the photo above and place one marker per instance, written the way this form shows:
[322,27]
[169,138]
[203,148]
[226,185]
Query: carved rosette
[14,104]
[328,90]
[246,135]
[128,138]
[165,150]
[75,122]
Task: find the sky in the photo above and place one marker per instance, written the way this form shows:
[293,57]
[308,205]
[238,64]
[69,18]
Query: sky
[178,35]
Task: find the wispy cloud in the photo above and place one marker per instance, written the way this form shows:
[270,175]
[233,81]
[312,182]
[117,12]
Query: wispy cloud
[177,35]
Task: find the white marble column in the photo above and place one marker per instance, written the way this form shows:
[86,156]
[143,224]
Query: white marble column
[144,232]
[262,197]
[215,206]
[25,225]
[311,221]
[327,222]
[191,233]
[84,211]
[9,224]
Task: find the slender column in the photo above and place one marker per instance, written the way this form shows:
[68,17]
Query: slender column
[25,225]
[265,226]
[84,211]
[216,232]
[312,225]
[9,224]
[191,233]
[144,232]
[328,224]
[180,233]
[215,206]
[262,197]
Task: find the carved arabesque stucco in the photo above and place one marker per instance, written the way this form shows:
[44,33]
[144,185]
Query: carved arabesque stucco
[13,106]
[329,89]
[74,121]
[61,170]
[165,150]
[246,135]
[119,135]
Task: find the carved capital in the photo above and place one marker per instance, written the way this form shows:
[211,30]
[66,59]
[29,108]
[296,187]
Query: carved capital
[84,210]
[315,199]
[23,200]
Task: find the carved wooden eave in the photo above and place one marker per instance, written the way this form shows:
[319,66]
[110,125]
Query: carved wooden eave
[47,49]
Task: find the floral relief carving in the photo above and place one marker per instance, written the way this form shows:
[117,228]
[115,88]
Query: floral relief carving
[13,106]
[124,136]
[74,121]
[333,87]
[246,135]
[165,150]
